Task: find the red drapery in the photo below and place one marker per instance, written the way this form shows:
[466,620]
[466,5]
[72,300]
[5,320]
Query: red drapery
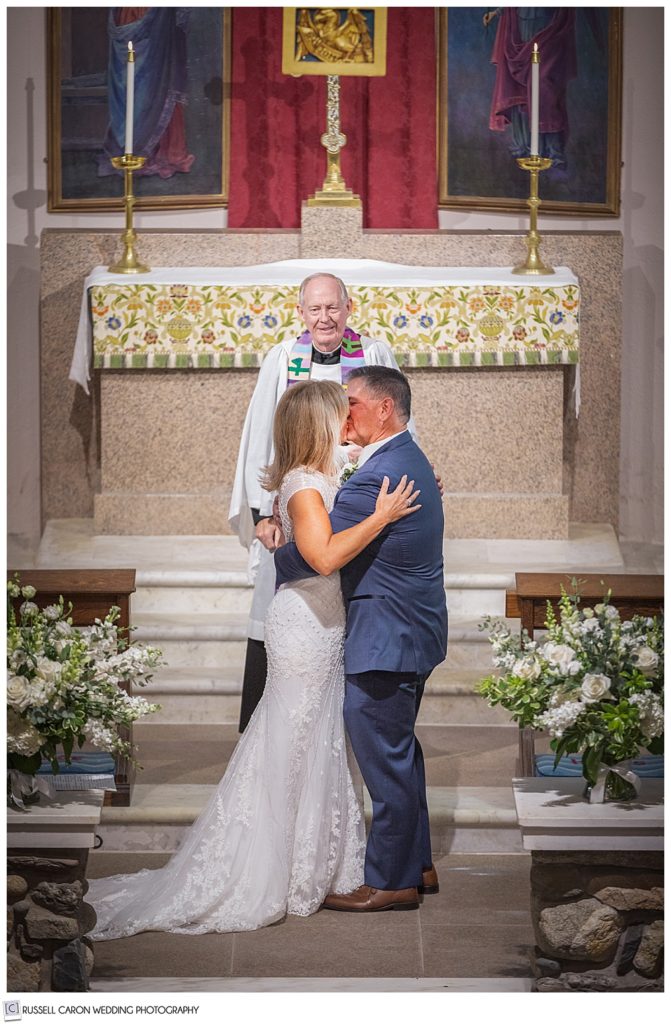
[276,160]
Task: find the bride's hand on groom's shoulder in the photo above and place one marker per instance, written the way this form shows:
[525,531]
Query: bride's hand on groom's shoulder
[397,504]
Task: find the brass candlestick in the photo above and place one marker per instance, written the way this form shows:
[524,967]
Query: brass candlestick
[128,263]
[334,191]
[533,264]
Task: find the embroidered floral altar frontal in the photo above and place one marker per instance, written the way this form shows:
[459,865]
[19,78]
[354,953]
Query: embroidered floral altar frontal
[230,316]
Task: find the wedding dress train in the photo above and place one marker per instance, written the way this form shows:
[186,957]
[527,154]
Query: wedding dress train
[285,825]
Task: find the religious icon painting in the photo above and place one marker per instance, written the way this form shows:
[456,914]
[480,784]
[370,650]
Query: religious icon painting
[334,41]
[483,68]
[180,108]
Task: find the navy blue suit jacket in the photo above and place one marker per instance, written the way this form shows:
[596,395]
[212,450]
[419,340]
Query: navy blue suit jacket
[394,591]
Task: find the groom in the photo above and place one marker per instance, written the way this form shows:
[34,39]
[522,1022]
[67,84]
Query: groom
[396,635]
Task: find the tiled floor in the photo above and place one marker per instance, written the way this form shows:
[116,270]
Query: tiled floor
[478,926]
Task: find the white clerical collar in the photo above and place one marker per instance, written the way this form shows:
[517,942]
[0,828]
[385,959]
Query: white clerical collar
[370,448]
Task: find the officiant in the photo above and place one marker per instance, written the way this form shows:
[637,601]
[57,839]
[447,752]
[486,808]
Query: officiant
[327,350]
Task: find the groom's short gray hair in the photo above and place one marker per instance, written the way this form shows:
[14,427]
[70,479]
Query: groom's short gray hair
[341,285]
[385,382]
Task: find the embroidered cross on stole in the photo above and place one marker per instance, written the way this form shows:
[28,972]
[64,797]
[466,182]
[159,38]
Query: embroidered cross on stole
[300,358]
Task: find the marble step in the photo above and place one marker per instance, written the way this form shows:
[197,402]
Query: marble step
[187,641]
[468,772]
[191,592]
[191,695]
[211,640]
[73,543]
[202,592]
[463,819]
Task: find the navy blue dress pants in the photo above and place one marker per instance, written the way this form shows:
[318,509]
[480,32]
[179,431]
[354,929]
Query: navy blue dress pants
[380,712]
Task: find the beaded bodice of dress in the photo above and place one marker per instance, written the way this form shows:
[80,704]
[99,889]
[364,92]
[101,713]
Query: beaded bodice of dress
[301,479]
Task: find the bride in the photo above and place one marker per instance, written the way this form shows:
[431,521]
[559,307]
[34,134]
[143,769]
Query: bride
[284,826]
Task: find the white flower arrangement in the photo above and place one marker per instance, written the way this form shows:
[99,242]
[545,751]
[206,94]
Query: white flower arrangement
[65,685]
[595,684]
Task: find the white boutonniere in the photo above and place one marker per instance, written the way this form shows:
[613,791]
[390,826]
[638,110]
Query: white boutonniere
[347,472]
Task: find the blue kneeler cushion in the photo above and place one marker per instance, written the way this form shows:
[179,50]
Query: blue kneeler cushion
[648,766]
[89,770]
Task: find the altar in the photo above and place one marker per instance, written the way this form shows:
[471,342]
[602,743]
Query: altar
[515,380]
[168,345]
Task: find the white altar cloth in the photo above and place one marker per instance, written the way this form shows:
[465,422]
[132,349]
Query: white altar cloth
[289,273]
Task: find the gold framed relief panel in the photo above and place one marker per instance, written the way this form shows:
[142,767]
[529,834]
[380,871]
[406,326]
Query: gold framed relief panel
[483,123]
[181,109]
[334,41]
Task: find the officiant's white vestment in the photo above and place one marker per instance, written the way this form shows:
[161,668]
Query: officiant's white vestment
[256,452]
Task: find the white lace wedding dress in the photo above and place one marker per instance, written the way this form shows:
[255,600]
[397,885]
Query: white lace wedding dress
[284,826]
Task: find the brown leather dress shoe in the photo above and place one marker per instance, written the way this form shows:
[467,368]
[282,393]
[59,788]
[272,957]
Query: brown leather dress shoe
[429,882]
[367,899]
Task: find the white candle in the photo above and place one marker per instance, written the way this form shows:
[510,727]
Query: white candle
[130,97]
[535,69]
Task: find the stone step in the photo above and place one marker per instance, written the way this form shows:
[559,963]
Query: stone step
[206,640]
[468,772]
[73,543]
[463,819]
[198,753]
[228,680]
[191,592]
[198,591]
[237,597]
[187,641]
[190,695]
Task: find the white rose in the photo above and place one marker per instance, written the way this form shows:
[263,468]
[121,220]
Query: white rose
[28,592]
[612,613]
[63,628]
[47,669]
[18,692]
[591,625]
[645,659]
[28,608]
[560,655]
[594,687]
[527,669]
[574,668]
[51,612]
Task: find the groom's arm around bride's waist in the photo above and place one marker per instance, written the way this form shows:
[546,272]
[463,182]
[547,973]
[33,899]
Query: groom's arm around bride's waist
[290,565]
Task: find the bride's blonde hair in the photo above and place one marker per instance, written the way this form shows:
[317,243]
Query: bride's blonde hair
[306,429]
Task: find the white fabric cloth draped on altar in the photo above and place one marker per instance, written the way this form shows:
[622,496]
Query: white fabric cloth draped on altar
[441,316]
